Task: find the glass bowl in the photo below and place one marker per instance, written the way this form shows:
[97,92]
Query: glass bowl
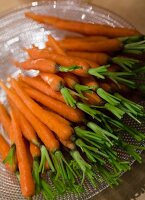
[17,32]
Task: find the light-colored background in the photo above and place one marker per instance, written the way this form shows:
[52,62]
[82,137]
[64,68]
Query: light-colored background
[133,182]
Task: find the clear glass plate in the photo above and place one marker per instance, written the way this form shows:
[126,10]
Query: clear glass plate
[17,32]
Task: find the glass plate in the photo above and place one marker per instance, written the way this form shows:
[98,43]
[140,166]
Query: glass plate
[17,32]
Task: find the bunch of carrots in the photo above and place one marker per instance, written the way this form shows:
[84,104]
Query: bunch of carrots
[67,120]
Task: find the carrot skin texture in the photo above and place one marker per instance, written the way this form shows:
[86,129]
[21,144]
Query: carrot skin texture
[93,99]
[34,150]
[62,109]
[90,81]
[102,46]
[43,132]
[27,130]
[63,131]
[84,28]
[26,179]
[43,65]
[6,122]
[54,44]
[53,80]
[100,58]
[38,83]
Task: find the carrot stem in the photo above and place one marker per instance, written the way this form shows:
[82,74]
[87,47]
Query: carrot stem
[84,166]
[68,97]
[11,159]
[45,156]
[69,68]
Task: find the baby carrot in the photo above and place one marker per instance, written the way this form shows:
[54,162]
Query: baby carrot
[6,122]
[90,81]
[84,28]
[54,44]
[102,46]
[4,151]
[42,65]
[57,83]
[87,38]
[35,150]
[63,131]
[100,58]
[53,80]
[38,83]
[43,132]
[62,109]
[92,98]
[36,53]
[26,179]
[26,128]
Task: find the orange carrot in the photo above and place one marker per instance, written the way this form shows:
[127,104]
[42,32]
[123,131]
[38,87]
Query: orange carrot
[102,46]
[90,81]
[26,128]
[100,58]
[43,132]
[63,131]
[69,144]
[87,38]
[4,150]
[6,122]
[70,79]
[35,150]
[54,44]
[93,98]
[36,53]
[30,158]
[43,65]
[62,109]
[26,179]
[84,28]
[38,83]
[105,86]
[58,117]
[53,80]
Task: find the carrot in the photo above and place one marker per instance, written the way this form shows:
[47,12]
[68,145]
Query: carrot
[26,179]
[105,86]
[36,53]
[35,150]
[62,130]
[69,144]
[87,38]
[26,128]
[102,46]
[92,98]
[30,158]
[42,65]
[54,44]
[53,80]
[84,28]
[90,81]
[100,58]
[38,83]
[10,164]
[62,109]
[58,117]
[6,122]
[57,83]
[43,132]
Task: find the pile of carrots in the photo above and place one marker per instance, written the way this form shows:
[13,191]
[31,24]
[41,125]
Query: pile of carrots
[66,119]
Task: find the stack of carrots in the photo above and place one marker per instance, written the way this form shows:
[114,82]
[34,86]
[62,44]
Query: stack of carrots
[65,120]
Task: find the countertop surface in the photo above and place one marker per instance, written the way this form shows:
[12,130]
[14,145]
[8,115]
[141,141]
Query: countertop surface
[132,186]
